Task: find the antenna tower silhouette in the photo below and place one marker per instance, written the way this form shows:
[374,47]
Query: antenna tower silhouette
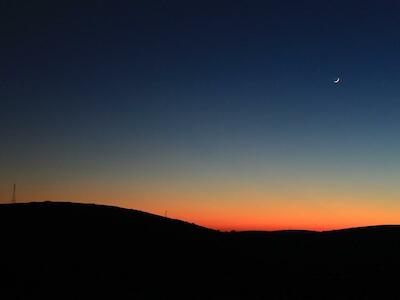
[14,195]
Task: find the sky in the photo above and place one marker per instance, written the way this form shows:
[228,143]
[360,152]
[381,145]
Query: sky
[221,113]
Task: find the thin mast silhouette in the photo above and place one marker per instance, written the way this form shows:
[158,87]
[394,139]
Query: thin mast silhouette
[14,195]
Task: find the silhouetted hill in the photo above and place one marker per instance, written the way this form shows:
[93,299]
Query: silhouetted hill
[54,250]
[67,215]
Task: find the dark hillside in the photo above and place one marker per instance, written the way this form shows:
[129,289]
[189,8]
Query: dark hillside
[55,250]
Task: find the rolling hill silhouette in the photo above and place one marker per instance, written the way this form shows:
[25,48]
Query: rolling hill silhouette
[53,250]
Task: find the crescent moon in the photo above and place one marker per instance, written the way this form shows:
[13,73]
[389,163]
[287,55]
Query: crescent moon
[337,80]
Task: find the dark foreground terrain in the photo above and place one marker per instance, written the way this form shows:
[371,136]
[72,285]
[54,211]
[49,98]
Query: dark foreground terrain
[55,250]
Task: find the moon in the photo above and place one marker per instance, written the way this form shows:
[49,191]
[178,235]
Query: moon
[336,81]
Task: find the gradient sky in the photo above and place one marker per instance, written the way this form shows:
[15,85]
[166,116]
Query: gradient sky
[223,113]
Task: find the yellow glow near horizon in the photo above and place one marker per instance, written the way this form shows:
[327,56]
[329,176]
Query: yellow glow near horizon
[240,207]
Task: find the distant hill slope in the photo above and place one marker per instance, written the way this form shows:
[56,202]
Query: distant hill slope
[53,250]
[70,215]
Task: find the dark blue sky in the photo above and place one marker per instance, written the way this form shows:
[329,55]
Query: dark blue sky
[153,85]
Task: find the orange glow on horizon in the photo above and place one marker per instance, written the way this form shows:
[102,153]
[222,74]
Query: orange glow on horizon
[243,208]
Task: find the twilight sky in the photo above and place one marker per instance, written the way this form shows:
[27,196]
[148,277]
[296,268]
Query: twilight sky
[223,113]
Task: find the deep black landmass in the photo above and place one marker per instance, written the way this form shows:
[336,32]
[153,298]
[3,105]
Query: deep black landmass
[53,250]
